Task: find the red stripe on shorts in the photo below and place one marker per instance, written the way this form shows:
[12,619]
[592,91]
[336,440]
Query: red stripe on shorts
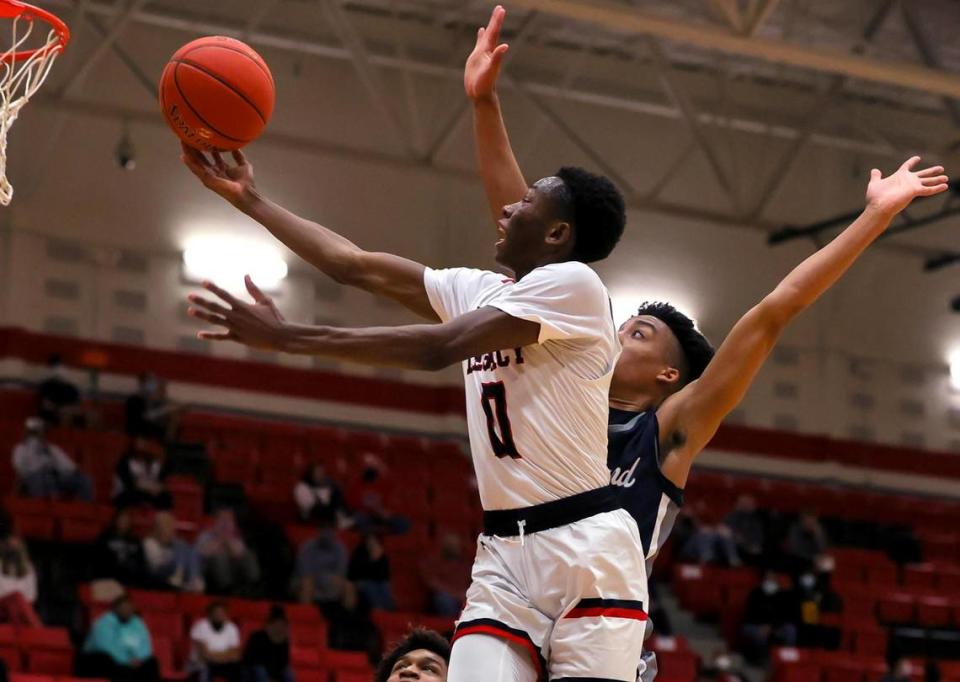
[504,634]
[608,611]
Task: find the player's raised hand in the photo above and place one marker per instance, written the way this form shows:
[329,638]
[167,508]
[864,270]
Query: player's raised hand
[258,324]
[230,182]
[894,193]
[483,65]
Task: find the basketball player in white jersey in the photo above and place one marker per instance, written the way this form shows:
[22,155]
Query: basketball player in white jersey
[558,584]
[669,392]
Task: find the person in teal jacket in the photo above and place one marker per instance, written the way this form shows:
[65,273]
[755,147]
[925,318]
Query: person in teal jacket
[118,647]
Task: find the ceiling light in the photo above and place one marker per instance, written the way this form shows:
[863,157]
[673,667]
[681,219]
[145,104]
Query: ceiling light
[225,261]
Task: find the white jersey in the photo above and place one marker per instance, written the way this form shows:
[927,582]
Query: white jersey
[537,415]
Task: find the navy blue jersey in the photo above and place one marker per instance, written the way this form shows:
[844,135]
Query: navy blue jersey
[633,457]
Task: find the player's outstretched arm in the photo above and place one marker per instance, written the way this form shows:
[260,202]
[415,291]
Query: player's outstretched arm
[690,418]
[423,346]
[382,274]
[499,170]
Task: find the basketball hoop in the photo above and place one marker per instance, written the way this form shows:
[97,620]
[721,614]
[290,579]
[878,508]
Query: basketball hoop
[23,69]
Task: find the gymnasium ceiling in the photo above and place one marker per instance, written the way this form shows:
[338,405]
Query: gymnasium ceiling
[753,95]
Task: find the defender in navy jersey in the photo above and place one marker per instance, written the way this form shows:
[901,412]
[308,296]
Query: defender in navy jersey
[669,392]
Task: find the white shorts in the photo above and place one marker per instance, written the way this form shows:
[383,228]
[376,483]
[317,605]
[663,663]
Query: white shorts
[574,596]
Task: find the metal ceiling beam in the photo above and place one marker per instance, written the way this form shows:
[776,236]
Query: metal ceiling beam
[760,12]
[664,73]
[755,125]
[928,53]
[814,116]
[729,11]
[366,72]
[414,115]
[624,19]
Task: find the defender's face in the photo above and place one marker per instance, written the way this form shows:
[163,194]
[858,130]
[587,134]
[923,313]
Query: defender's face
[523,225]
[421,665]
[648,346]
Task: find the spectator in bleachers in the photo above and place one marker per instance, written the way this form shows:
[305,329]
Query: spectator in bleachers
[747,528]
[140,474]
[58,397]
[150,413]
[902,671]
[712,545]
[369,570]
[806,540]
[367,501]
[215,646]
[229,567]
[447,576]
[18,578]
[320,574]
[422,655]
[815,597]
[267,656]
[171,562]
[118,647]
[767,619]
[44,469]
[119,552]
[317,494]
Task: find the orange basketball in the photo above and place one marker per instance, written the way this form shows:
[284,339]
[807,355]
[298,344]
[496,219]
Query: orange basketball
[217,93]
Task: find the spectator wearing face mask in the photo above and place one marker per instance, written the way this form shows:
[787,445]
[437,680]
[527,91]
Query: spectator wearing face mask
[215,642]
[267,656]
[815,596]
[119,646]
[118,553]
[806,540]
[746,527]
[229,566]
[317,494]
[140,474]
[422,655]
[767,619]
[44,469]
[369,570]
[149,413]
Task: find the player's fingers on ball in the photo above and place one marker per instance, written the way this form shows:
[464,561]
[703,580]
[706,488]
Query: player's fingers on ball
[239,157]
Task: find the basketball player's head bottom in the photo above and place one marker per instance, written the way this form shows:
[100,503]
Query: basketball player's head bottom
[422,656]
[571,216]
[663,351]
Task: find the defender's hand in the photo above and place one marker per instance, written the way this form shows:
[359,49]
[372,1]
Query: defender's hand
[894,193]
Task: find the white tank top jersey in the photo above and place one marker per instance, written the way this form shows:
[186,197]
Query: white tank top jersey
[537,415]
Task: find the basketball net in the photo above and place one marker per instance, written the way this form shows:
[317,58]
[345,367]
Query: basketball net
[19,80]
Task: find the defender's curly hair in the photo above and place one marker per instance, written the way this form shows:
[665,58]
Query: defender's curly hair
[597,211]
[696,349]
[417,638]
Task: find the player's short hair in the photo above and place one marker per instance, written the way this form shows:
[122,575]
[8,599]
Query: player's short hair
[417,638]
[696,350]
[597,210]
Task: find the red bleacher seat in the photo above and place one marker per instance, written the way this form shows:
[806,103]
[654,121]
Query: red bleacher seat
[870,642]
[28,677]
[896,607]
[934,612]
[311,675]
[305,657]
[170,623]
[50,661]
[10,655]
[303,613]
[163,651]
[247,610]
[346,660]
[309,634]
[150,600]
[352,676]
[677,666]
[918,576]
[793,665]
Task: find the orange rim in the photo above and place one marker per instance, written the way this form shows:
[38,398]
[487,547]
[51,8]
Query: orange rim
[11,9]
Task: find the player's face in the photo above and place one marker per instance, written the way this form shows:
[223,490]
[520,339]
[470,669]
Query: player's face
[648,352]
[419,664]
[524,226]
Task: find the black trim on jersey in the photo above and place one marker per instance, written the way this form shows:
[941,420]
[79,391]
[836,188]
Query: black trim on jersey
[585,679]
[596,602]
[509,522]
[485,625]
